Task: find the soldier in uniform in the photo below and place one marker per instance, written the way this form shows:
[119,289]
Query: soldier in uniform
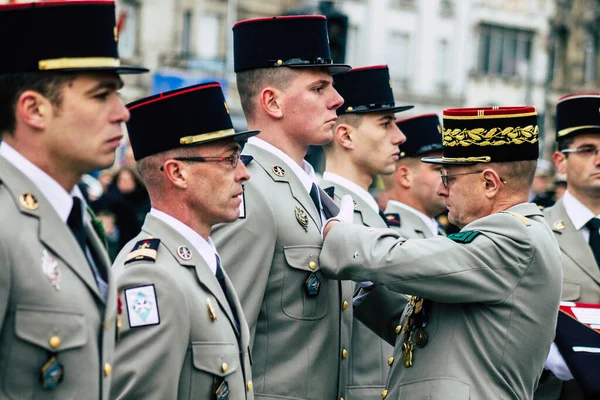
[412,190]
[574,220]
[300,322]
[365,143]
[60,117]
[483,312]
[184,335]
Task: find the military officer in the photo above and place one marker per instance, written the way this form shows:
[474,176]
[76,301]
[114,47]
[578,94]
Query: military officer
[300,322]
[60,117]
[483,312]
[184,334]
[574,220]
[365,143]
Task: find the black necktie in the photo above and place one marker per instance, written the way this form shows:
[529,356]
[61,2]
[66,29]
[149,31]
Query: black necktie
[221,278]
[594,226]
[382,215]
[314,195]
[75,223]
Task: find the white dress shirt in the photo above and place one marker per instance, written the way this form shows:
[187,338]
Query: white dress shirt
[430,222]
[578,214]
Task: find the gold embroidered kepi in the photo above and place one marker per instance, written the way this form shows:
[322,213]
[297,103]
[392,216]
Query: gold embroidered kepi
[60,36]
[184,117]
[488,134]
[577,113]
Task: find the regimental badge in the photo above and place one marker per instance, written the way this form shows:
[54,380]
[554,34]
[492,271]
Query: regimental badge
[144,250]
[279,171]
[184,253]
[51,269]
[302,217]
[142,306]
[51,373]
[222,392]
[559,225]
[29,201]
[312,284]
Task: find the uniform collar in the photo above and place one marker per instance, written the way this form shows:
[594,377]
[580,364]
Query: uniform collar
[577,212]
[206,248]
[306,173]
[57,196]
[353,187]
[430,222]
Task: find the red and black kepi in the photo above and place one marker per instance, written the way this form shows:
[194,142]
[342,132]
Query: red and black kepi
[365,90]
[60,36]
[189,116]
[423,135]
[298,41]
[488,134]
[577,113]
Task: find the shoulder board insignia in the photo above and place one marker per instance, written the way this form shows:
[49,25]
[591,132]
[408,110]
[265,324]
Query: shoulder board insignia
[144,250]
[464,237]
[330,191]
[522,218]
[392,219]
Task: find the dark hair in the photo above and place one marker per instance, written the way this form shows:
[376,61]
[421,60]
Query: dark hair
[12,85]
[250,83]
[564,143]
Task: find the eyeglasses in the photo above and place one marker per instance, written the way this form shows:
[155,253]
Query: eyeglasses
[446,176]
[232,159]
[583,151]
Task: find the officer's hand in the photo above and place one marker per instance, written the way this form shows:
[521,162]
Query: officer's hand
[346,215]
[557,365]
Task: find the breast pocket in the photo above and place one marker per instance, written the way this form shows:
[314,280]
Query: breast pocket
[435,389]
[41,333]
[214,362]
[304,293]
[571,291]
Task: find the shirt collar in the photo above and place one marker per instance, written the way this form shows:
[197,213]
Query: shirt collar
[306,173]
[206,248]
[353,187]
[430,222]
[578,213]
[57,196]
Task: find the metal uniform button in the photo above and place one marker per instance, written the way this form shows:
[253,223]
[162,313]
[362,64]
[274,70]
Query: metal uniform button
[249,386]
[384,394]
[224,367]
[344,353]
[398,329]
[390,361]
[345,304]
[107,369]
[54,342]
[312,265]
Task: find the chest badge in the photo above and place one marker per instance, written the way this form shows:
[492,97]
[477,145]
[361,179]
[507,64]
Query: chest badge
[29,201]
[302,218]
[51,269]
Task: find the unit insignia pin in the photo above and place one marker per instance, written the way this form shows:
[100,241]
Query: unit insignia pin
[312,284]
[279,171]
[51,269]
[184,253]
[302,218]
[559,225]
[28,201]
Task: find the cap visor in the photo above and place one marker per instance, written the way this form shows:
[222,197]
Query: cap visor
[124,70]
[440,160]
[388,109]
[331,68]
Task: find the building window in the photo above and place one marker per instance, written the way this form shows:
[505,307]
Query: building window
[186,34]
[446,8]
[443,67]
[504,51]
[127,23]
[591,54]
[399,50]
[405,4]
[209,28]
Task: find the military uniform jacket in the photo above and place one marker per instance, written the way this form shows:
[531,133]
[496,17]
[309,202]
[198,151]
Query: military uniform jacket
[411,225]
[368,360]
[38,318]
[299,342]
[195,346]
[494,298]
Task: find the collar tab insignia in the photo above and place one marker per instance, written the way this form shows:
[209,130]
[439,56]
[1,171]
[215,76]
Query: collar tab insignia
[144,250]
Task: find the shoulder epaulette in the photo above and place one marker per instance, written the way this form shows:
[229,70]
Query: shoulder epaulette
[522,218]
[392,219]
[144,250]
[464,237]
[330,191]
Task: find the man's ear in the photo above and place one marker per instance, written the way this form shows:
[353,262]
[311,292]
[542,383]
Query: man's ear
[404,176]
[343,134]
[176,173]
[492,183]
[560,162]
[270,101]
[33,109]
